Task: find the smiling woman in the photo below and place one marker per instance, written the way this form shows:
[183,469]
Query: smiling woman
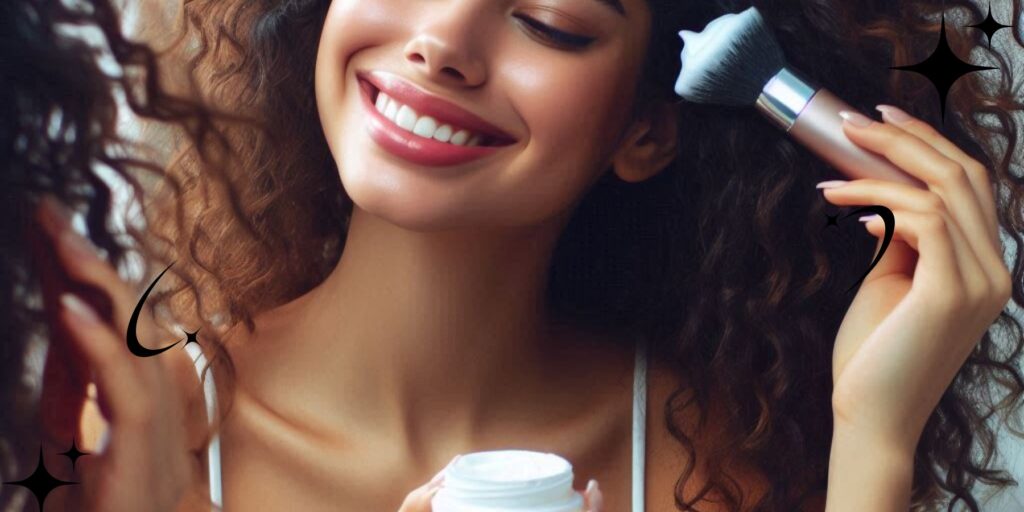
[452,226]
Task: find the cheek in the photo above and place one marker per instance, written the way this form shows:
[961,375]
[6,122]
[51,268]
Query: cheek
[576,106]
[350,26]
[575,114]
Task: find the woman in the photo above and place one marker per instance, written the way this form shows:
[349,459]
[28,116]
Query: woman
[398,312]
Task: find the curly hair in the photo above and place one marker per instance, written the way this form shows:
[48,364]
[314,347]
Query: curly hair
[719,261]
[58,126]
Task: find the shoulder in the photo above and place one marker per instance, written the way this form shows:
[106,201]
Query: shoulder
[668,460]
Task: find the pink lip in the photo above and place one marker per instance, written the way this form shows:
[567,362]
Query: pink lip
[409,146]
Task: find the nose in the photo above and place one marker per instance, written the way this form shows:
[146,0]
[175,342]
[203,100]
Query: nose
[446,49]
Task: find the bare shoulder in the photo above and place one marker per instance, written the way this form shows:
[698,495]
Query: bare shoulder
[667,459]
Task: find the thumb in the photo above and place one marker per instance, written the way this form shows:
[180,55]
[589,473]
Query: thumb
[593,500]
[419,499]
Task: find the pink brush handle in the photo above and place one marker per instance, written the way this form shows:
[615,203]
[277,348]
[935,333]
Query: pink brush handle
[820,129]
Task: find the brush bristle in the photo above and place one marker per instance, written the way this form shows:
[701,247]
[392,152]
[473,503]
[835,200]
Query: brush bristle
[730,61]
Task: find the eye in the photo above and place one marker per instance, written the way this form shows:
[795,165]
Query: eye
[555,36]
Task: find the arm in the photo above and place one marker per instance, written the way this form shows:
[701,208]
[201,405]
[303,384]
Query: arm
[865,473]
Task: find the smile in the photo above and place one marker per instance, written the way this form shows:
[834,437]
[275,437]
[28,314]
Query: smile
[450,137]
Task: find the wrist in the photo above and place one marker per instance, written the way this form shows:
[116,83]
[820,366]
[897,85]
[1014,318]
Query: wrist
[868,472]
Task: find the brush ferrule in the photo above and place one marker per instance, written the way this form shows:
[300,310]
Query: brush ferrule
[785,96]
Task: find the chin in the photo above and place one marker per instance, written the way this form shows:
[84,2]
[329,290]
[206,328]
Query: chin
[404,206]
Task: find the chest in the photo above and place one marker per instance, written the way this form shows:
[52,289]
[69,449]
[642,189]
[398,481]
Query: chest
[271,464]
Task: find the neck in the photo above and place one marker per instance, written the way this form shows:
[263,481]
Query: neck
[421,332]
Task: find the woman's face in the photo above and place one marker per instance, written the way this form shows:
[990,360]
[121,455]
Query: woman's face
[564,106]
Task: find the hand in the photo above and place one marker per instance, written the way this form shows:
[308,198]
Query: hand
[941,283]
[419,499]
[146,464]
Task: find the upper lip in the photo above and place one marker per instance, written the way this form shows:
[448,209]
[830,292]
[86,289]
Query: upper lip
[427,104]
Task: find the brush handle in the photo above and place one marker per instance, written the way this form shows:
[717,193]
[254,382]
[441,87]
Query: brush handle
[820,129]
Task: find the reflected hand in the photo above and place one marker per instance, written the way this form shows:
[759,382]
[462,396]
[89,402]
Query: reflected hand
[145,464]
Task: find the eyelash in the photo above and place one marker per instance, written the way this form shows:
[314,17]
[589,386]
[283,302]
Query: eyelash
[556,36]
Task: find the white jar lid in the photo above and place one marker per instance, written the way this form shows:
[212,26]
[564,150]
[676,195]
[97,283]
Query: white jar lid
[519,480]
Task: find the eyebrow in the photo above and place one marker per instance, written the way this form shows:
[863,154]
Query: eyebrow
[613,4]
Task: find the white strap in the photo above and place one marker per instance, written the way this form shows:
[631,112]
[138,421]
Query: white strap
[639,425]
[213,450]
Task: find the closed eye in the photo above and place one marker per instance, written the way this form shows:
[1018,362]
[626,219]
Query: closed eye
[556,36]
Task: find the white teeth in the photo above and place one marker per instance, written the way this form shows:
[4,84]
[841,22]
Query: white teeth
[406,118]
[424,126]
[443,133]
[459,139]
[392,110]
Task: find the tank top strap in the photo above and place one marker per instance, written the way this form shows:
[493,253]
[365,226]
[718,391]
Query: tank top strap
[639,425]
[213,450]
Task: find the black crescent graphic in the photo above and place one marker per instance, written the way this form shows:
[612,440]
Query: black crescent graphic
[133,340]
[890,224]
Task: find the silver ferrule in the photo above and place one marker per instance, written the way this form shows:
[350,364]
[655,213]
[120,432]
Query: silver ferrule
[785,96]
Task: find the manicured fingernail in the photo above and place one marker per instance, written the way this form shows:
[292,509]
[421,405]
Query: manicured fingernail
[79,308]
[893,114]
[78,244]
[868,218]
[596,498]
[831,184]
[855,119]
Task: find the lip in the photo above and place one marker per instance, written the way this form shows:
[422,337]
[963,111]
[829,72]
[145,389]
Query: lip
[411,147]
[427,104]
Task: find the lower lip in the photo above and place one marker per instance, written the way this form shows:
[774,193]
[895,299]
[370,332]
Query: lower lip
[409,146]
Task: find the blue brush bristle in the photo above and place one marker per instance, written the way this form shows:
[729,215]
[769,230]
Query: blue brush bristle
[733,67]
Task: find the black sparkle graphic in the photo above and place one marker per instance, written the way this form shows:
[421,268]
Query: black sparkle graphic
[191,337]
[40,482]
[831,220]
[73,454]
[989,25]
[943,68]
[133,339]
[890,225]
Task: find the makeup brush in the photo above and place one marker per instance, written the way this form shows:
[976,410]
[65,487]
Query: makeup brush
[736,61]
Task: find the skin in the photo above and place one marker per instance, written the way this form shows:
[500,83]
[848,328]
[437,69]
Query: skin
[422,249]
[918,315]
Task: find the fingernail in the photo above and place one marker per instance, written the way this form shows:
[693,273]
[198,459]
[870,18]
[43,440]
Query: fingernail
[831,184]
[893,114]
[868,218]
[78,244]
[436,483]
[596,498]
[79,308]
[858,120]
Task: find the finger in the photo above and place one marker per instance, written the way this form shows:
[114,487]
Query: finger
[938,269]
[898,196]
[82,261]
[117,380]
[944,176]
[419,499]
[976,172]
[593,499]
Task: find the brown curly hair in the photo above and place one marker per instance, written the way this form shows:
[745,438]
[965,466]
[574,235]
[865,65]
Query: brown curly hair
[57,127]
[745,306]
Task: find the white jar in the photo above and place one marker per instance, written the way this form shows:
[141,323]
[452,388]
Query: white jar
[508,480]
